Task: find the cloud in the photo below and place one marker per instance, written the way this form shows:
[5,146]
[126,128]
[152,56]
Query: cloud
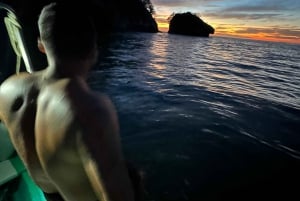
[182,3]
[263,6]
[282,32]
[266,13]
[263,10]
[254,8]
[255,18]
[241,16]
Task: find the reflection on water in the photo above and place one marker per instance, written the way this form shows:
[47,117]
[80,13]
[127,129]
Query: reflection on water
[159,50]
[207,118]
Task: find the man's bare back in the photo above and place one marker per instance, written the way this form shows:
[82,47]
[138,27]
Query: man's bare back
[66,135]
[60,129]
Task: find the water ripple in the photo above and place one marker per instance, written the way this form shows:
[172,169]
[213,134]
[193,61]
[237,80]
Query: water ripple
[182,100]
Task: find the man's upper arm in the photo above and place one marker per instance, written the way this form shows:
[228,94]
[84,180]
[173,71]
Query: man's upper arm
[102,152]
[12,89]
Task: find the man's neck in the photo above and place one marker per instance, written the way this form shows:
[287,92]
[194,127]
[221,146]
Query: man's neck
[67,69]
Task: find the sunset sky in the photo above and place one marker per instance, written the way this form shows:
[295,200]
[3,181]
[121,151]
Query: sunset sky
[272,20]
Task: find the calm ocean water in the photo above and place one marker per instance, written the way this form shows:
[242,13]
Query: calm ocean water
[207,118]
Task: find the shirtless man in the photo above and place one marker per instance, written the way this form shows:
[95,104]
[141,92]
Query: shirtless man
[66,135]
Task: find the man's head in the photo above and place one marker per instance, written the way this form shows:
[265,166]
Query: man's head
[67,32]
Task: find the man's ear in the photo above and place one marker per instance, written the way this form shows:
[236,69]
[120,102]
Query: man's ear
[41,46]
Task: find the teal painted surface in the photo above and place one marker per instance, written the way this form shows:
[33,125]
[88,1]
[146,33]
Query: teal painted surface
[20,188]
[27,190]
[6,147]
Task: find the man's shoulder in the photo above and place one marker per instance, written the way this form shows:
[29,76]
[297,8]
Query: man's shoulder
[77,94]
[16,79]
[18,85]
[15,90]
[20,81]
[74,100]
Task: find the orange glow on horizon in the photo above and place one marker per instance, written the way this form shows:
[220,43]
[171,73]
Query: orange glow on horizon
[163,27]
[162,22]
[259,36]
[233,31]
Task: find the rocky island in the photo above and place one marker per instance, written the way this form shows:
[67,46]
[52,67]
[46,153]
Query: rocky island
[189,24]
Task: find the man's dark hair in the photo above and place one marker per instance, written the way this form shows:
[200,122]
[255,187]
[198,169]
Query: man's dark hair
[67,31]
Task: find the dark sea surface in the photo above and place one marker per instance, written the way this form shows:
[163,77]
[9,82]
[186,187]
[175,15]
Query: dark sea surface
[207,118]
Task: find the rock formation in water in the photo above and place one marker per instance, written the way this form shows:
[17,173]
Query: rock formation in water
[189,24]
[109,16]
[135,15]
[120,15]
